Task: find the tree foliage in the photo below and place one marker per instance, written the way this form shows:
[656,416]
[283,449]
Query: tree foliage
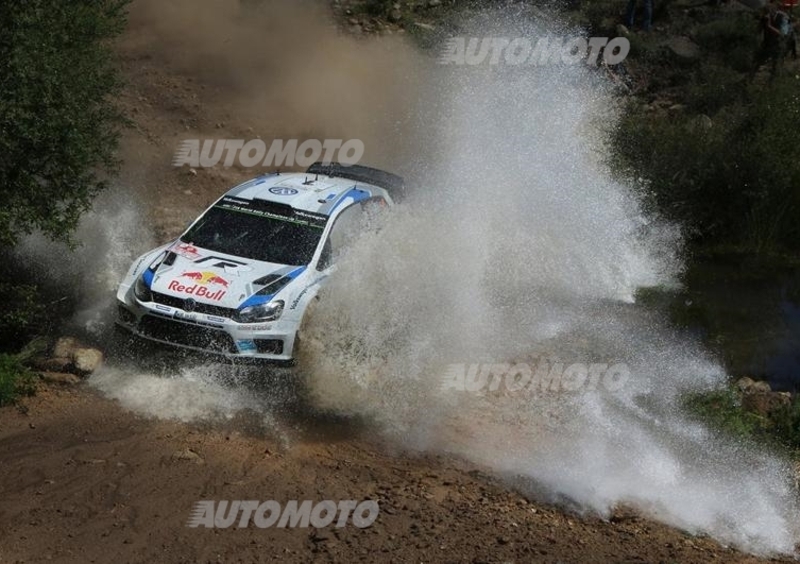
[59,125]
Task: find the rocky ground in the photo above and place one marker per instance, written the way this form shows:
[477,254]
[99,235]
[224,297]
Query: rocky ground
[84,480]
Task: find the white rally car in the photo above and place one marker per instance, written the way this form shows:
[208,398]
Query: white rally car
[238,281]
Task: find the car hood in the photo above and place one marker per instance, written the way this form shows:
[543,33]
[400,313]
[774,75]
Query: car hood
[219,279]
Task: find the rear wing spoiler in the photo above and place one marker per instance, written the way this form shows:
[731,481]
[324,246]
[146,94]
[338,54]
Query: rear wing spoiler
[392,183]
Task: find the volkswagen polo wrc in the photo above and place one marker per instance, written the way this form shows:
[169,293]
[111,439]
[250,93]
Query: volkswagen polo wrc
[238,281]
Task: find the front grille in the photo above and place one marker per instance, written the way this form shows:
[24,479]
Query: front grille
[206,309]
[189,335]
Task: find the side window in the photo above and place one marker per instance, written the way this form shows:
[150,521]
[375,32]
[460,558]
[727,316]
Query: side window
[352,222]
[345,230]
[374,209]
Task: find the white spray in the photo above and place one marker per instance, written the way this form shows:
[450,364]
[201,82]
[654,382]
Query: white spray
[518,245]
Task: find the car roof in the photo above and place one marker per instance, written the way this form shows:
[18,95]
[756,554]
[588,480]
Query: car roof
[315,193]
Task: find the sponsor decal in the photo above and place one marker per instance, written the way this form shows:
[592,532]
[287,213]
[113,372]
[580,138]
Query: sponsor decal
[283,191]
[189,316]
[230,266]
[255,328]
[205,278]
[233,269]
[274,211]
[185,250]
[223,262]
[296,301]
[246,345]
[197,290]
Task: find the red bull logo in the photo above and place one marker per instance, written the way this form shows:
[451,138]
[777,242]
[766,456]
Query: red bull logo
[218,281]
[200,289]
[204,278]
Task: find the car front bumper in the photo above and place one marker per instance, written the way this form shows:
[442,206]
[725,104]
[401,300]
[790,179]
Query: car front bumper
[268,341]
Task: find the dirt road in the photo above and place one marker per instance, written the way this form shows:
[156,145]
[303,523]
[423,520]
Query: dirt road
[83,480]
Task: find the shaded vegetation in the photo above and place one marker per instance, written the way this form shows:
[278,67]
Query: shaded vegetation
[725,164]
[722,410]
[58,121]
[16,380]
[59,128]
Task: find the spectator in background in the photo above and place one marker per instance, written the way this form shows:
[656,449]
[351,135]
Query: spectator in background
[774,43]
[791,39]
[631,11]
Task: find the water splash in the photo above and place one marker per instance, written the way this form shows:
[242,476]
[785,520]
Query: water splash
[519,245]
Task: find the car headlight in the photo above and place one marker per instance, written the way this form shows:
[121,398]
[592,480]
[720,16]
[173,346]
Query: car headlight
[141,291]
[257,313]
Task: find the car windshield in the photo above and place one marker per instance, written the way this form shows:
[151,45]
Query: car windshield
[249,230]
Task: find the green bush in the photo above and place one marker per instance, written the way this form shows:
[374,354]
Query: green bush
[786,424]
[714,87]
[729,181]
[59,127]
[58,120]
[732,40]
[21,313]
[722,410]
[15,380]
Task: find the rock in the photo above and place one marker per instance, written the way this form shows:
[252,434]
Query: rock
[621,513]
[189,455]
[425,26]
[749,386]
[702,123]
[395,15]
[434,3]
[320,535]
[761,386]
[765,403]
[677,107]
[62,378]
[744,384]
[65,346]
[87,360]
[683,47]
[622,31]
[57,364]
